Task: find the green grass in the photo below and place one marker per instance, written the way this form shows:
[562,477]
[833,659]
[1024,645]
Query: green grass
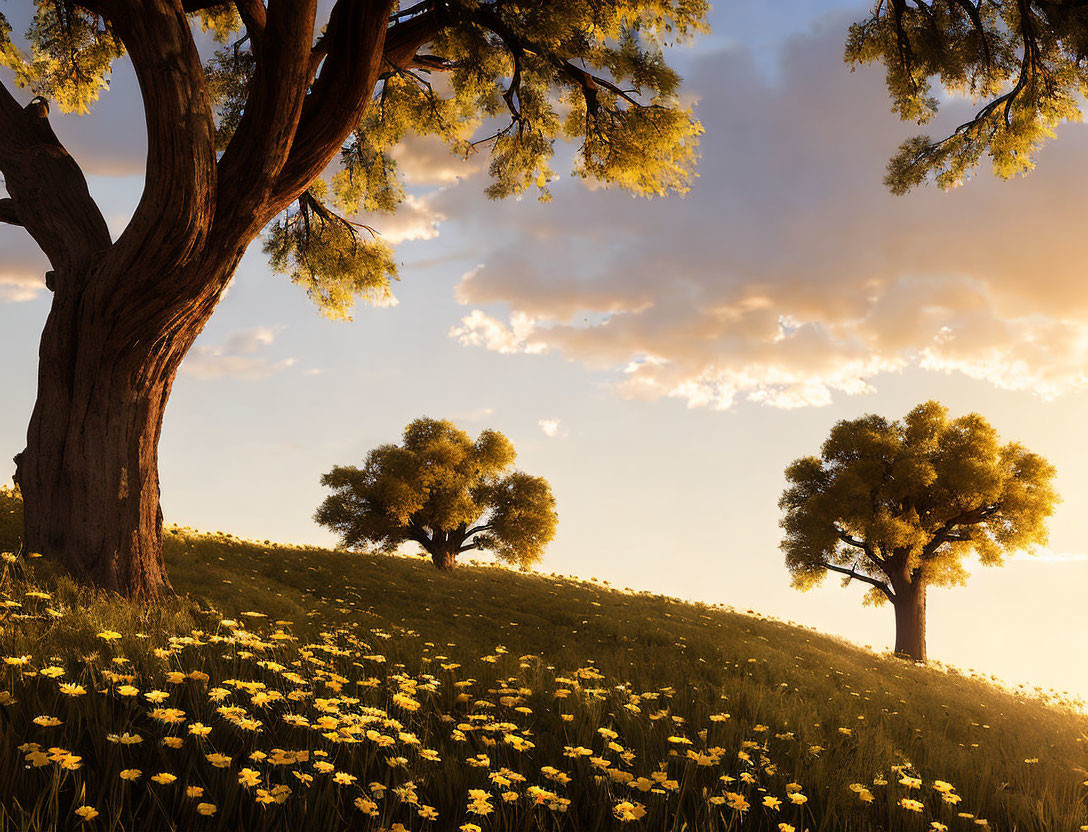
[645,666]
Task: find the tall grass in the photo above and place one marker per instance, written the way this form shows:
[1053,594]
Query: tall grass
[393,674]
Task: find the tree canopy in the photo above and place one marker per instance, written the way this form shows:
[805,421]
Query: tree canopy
[915,497]
[445,492]
[509,79]
[1022,62]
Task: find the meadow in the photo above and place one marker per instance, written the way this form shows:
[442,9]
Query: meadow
[298,688]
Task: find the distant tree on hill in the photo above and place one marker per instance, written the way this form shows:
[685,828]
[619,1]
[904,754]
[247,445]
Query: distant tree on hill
[445,492]
[1022,63]
[899,505]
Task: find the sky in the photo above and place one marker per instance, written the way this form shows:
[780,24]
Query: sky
[659,361]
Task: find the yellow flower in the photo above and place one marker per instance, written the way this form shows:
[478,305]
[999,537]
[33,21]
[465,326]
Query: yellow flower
[342,778]
[937,826]
[218,760]
[736,801]
[87,813]
[911,782]
[168,716]
[249,777]
[131,774]
[627,810]
[911,805]
[797,798]
[194,791]
[47,721]
[109,635]
[52,672]
[127,690]
[198,729]
[156,696]
[785,827]
[366,806]
[205,809]
[469,827]
[428,812]
[772,803]
[69,689]
[164,778]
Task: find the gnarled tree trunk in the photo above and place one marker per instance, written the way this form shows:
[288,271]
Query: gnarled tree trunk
[89,474]
[910,619]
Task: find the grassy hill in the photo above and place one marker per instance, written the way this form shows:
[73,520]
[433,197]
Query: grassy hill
[294,688]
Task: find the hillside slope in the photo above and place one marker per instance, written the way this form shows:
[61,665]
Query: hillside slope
[332,680]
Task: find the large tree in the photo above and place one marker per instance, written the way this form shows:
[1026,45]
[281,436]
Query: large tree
[443,491]
[1023,62]
[287,130]
[898,505]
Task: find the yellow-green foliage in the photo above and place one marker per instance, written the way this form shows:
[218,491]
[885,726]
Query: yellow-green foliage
[1021,63]
[445,492]
[72,51]
[919,494]
[520,686]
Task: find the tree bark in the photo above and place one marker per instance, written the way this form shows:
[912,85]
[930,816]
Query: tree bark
[444,560]
[89,474]
[910,620]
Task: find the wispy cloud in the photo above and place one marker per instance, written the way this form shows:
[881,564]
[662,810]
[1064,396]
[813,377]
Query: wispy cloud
[237,357]
[19,288]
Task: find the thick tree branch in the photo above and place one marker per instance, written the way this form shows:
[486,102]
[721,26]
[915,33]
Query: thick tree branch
[405,38]
[354,42]
[948,530]
[178,202]
[855,575]
[8,214]
[44,181]
[257,152]
[858,543]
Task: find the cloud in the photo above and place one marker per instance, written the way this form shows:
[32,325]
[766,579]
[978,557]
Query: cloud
[236,357]
[550,427]
[790,275]
[480,330]
[426,160]
[415,219]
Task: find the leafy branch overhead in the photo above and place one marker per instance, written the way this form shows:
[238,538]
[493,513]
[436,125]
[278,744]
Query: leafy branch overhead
[503,78]
[1021,62]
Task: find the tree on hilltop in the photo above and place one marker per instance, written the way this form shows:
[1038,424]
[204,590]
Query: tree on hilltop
[899,505]
[445,492]
[1024,63]
[286,131]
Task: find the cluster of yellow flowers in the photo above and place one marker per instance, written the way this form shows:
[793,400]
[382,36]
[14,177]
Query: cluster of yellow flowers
[387,729]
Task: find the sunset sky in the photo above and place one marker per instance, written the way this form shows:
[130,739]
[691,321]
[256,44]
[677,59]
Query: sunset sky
[662,361]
